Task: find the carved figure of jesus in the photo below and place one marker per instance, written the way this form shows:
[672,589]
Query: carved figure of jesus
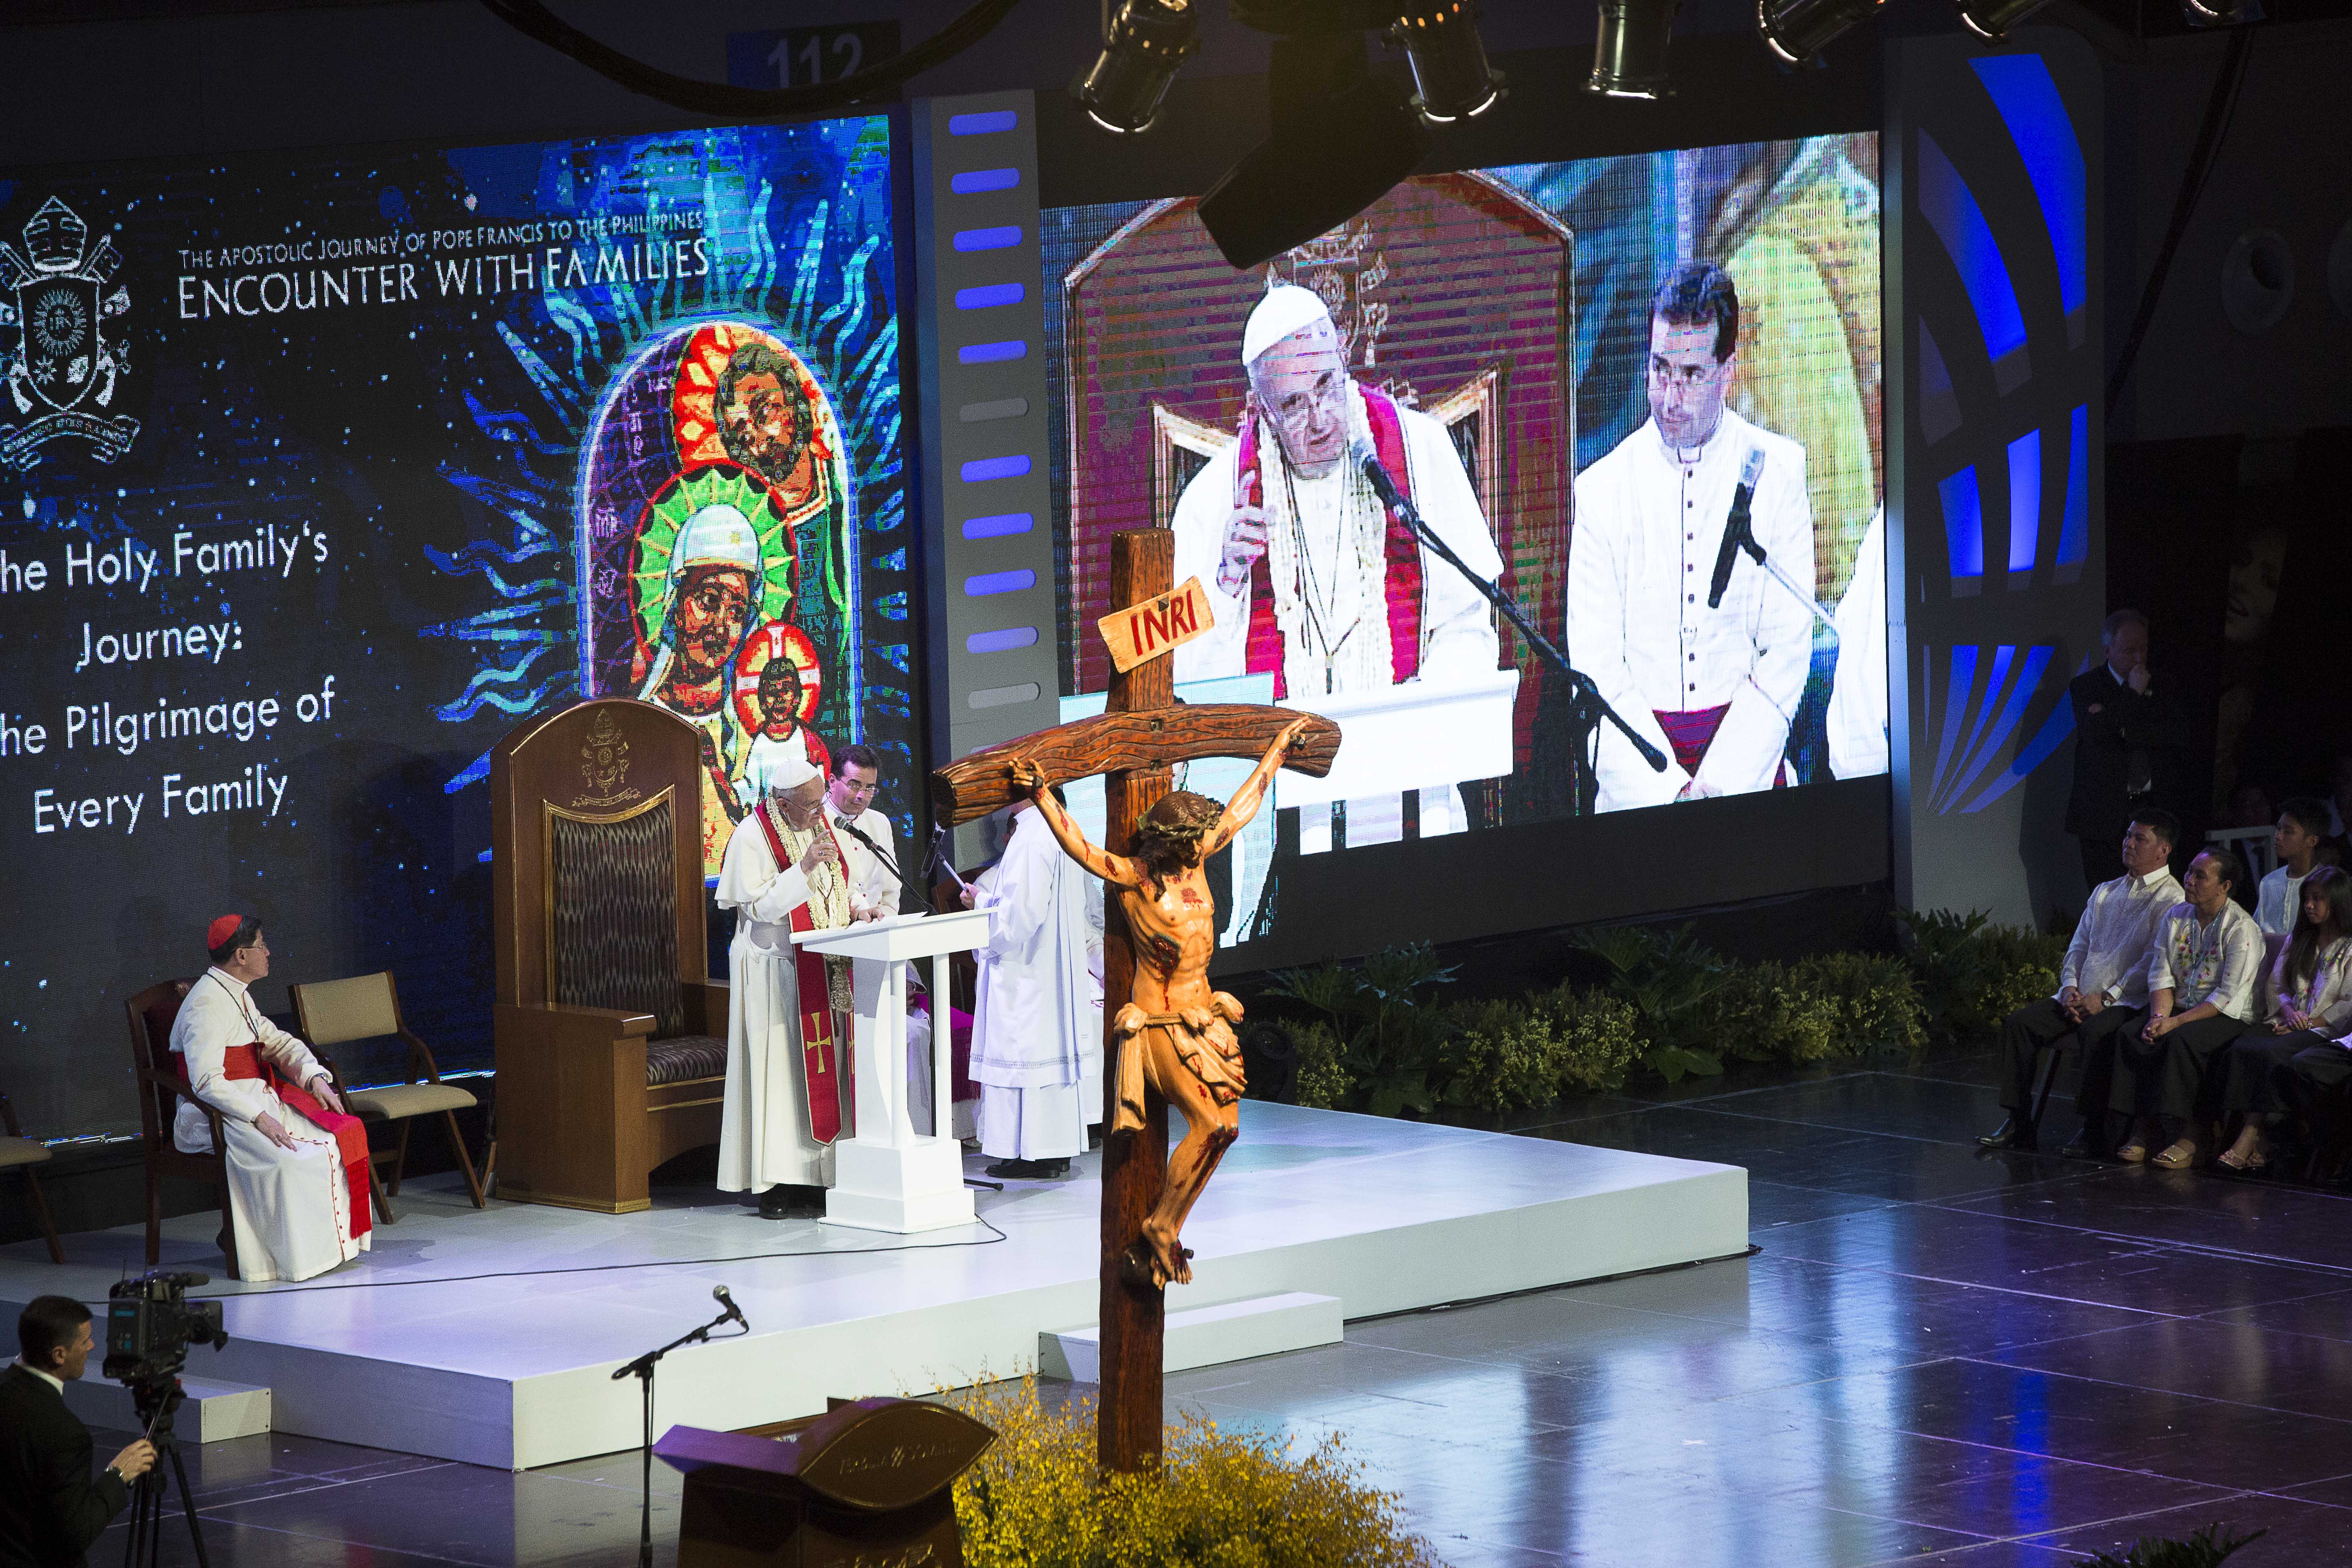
[1175,1033]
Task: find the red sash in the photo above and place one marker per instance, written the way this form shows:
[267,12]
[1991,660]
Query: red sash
[350,1134]
[1692,731]
[1403,575]
[817,1033]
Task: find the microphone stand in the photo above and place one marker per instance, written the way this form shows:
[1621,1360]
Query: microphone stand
[1743,536]
[1586,707]
[642,1369]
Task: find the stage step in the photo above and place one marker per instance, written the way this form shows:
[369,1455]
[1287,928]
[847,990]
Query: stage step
[214,1413]
[1206,1336]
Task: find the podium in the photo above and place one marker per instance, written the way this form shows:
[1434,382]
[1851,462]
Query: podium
[1423,734]
[887,1177]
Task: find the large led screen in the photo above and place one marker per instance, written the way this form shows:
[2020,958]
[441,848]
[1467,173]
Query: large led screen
[318,473]
[1583,377]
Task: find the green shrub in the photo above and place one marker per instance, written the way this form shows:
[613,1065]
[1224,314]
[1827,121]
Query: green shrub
[2207,1547]
[1971,973]
[1322,1082]
[1600,1037]
[1391,1039]
[1526,1053]
[1877,1001]
[1037,1499]
[1669,979]
[1760,1014]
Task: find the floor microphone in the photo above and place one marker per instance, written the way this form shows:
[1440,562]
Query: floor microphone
[1737,535]
[719,1293]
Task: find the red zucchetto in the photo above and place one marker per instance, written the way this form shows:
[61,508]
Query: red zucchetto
[220,930]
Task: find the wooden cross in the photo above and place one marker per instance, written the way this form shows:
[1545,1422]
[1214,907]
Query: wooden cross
[1142,733]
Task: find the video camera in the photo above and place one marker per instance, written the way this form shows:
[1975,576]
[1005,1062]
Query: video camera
[151,1323]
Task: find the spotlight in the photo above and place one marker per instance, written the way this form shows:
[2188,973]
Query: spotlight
[1796,29]
[1449,61]
[1149,40]
[1991,19]
[1629,56]
[1341,138]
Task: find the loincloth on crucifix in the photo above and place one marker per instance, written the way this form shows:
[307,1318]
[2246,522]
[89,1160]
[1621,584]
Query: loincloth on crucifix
[1202,1041]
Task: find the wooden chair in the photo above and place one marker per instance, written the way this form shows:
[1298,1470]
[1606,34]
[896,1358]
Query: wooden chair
[611,1042]
[19,1153]
[366,1007]
[152,1013]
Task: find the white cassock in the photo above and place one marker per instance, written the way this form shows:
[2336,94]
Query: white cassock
[1649,524]
[871,885]
[1336,550]
[763,1133]
[1036,1048]
[291,1207]
[1857,717]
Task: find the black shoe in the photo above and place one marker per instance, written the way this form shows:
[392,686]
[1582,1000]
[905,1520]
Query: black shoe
[2089,1143]
[1030,1170]
[776,1203]
[2014,1133]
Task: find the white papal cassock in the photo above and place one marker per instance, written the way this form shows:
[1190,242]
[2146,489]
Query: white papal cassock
[1036,1049]
[765,1139]
[1649,524]
[1857,717]
[1332,542]
[291,1207]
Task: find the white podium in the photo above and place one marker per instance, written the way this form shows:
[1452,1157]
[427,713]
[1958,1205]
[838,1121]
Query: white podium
[887,1177]
[1420,735]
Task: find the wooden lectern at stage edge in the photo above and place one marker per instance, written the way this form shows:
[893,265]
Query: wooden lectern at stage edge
[612,1040]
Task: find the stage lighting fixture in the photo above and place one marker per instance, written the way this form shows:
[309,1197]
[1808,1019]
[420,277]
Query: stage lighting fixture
[1149,40]
[1629,55]
[1797,30]
[1991,19]
[1340,138]
[1449,61]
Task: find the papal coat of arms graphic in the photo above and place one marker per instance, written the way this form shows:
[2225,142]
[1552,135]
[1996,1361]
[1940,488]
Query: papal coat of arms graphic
[64,370]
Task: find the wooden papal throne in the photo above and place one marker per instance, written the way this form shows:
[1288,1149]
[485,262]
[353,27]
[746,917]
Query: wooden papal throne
[611,1041]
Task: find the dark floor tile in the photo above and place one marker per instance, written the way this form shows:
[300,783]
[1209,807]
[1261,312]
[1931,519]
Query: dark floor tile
[464,1514]
[1992,1555]
[1775,1203]
[2330,1317]
[2259,1219]
[1979,1069]
[1972,1247]
[1920,1318]
[2300,1534]
[232,1545]
[1738,1078]
[1868,1165]
[2208,1442]
[1888,1103]
[2335,1491]
[2210,1361]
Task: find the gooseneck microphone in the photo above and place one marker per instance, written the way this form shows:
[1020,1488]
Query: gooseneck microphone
[879,853]
[719,1293]
[1736,534]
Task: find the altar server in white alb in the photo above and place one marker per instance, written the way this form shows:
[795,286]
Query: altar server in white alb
[297,1162]
[1037,1050]
[1308,576]
[1713,689]
[788,1097]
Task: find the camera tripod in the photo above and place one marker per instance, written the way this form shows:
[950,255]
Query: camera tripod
[156,1403]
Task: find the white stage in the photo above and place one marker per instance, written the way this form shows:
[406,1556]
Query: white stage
[451,1338]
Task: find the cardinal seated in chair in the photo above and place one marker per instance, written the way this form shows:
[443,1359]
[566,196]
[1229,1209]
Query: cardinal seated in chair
[298,1164]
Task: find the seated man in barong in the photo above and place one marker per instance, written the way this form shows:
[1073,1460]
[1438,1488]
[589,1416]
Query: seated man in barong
[297,1165]
[1175,1034]
[788,1093]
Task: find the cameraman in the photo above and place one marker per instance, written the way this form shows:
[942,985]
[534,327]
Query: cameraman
[50,1510]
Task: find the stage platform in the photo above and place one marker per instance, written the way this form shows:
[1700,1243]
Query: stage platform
[490,1337]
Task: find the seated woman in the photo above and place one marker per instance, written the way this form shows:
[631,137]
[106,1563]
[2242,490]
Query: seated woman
[2202,973]
[2314,978]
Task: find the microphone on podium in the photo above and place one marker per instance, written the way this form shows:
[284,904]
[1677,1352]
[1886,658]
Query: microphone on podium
[880,854]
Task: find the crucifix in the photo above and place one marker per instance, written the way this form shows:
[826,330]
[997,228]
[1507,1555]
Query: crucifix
[1148,904]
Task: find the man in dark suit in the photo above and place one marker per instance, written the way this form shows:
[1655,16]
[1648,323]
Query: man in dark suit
[50,1509]
[2131,747]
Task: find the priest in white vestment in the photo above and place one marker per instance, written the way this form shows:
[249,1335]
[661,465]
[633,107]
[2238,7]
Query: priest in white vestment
[1036,1049]
[775,1138]
[1713,688]
[849,802]
[294,1200]
[1307,576]
[1857,716]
